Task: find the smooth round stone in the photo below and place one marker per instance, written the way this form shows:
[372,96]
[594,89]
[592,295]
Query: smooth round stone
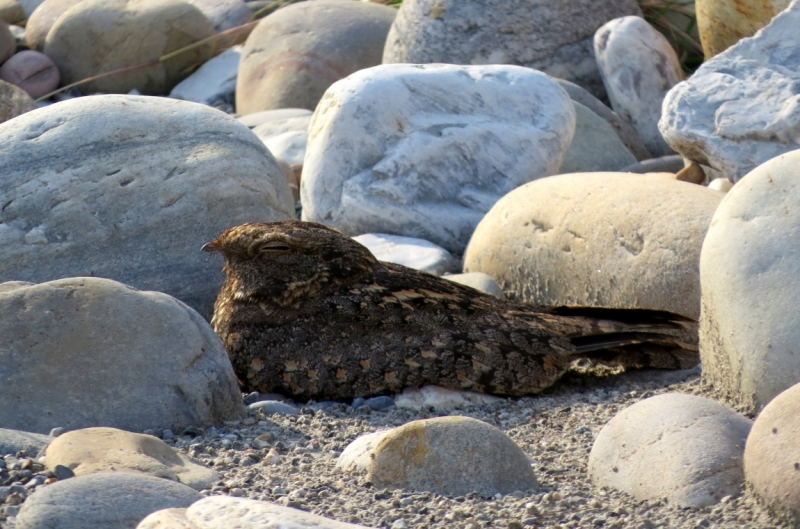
[748,268]
[212,83]
[289,147]
[639,66]
[442,399]
[295,54]
[479,281]
[93,450]
[283,117]
[663,164]
[224,14]
[270,407]
[723,23]
[32,71]
[414,253]
[109,500]
[720,184]
[11,11]
[553,36]
[166,519]
[425,150]
[12,441]
[76,333]
[42,20]
[170,176]
[772,453]
[380,403]
[357,456]
[14,101]
[157,27]
[451,456]
[684,448]
[8,44]
[597,239]
[595,146]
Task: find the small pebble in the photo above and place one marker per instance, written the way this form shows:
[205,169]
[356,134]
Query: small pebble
[380,403]
[167,434]
[63,472]
[55,432]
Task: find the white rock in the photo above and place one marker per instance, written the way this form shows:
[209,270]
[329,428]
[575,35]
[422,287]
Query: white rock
[720,184]
[740,108]
[408,251]
[479,281]
[639,67]
[554,36]
[224,14]
[595,145]
[685,448]
[212,82]
[130,188]
[357,456]
[425,150]
[441,398]
[222,512]
[279,115]
[749,267]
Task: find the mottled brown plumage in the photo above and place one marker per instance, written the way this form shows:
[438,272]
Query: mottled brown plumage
[309,312]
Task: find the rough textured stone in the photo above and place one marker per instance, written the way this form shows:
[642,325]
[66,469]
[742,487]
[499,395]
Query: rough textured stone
[357,456]
[32,71]
[12,441]
[595,145]
[639,67]
[772,453]
[478,281]
[42,20]
[221,512]
[685,448]
[553,36]
[450,455]
[166,519]
[722,23]
[598,239]
[130,188]
[93,450]
[11,11]
[295,54]
[76,333]
[739,109]
[442,399]
[124,33]
[14,101]
[214,82]
[407,251]
[107,500]
[425,150]
[224,14]
[748,325]
[624,131]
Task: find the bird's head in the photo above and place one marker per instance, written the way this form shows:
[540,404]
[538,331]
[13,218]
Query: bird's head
[284,262]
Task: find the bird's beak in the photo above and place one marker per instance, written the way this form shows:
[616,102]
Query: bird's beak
[212,246]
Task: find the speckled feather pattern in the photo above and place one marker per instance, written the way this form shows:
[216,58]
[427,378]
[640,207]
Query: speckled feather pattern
[308,312]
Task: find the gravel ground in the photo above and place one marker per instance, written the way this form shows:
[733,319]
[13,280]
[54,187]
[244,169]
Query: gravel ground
[291,460]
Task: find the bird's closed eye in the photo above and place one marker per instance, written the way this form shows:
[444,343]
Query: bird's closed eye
[274,247]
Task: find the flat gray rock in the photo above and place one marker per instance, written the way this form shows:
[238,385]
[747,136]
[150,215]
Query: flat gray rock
[414,253]
[749,268]
[425,150]
[595,145]
[110,356]
[739,109]
[553,36]
[12,441]
[213,82]
[109,500]
[130,188]
[685,448]
[268,407]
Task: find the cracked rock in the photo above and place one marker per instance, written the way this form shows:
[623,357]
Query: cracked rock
[635,244]
[684,448]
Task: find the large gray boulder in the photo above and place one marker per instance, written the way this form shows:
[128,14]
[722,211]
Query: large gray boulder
[295,54]
[739,109]
[109,500]
[85,352]
[554,36]
[749,265]
[130,188]
[425,150]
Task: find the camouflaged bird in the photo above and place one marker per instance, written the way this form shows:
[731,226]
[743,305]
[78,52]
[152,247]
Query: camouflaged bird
[307,311]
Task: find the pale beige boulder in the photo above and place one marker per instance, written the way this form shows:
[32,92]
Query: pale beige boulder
[93,450]
[11,11]
[295,54]
[42,20]
[125,33]
[597,239]
[450,455]
[771,455]
[723,23]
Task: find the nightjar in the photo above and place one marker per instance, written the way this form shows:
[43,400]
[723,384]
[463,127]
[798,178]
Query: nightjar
[307,311]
